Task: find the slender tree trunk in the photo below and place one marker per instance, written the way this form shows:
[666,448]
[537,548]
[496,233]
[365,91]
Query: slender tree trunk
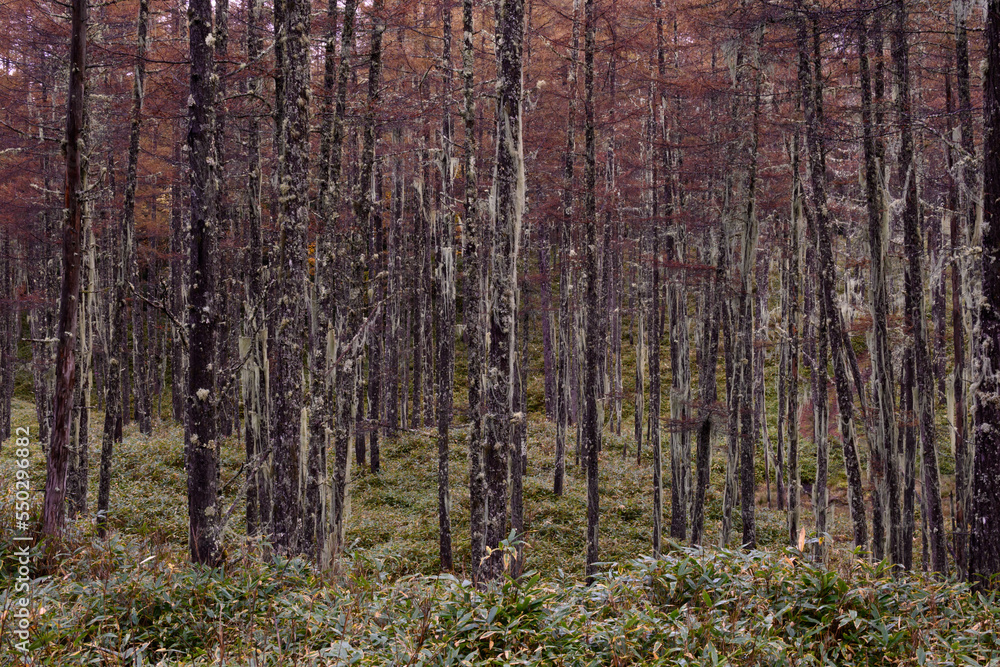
[908,448]
[548,323]
[591,426]
[79,468]
[659,159]
[8,342]
[792,279]
[748,261]
[446,304]
[708,388]
[472,303]
[178,277]
[253,342]
[226,339]
[138,350]
[885,510]
[914,297]
[811,90]
[961,222]
[54,516]
[292,31]
[507,208]
[563,379]
[759,360]
[201,438]
[984,546]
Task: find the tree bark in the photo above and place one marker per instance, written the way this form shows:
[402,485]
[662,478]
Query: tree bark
[961,222]
[292,31]
[563,379]
[472,304]
[792,279]
[885,495]
[811,90]
[914,319]
[253,342]
[201,445]
[708,389]
[591,426]
[507,208]
[54,512]
[446,304]
[984,546]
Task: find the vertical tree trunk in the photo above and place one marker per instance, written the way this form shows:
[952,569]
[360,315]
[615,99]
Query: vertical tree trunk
[914,297]
[759,360]
[472,304]
[791,316]
[680,366]
[708,388]
[292,30]
[138,350]
[200,436]
[391,325]
[659,159]
[226,337]
[507,201]
[9,313]
[885,509]
[591,426]
[54,516]
[548,323]
[178,277]
[782,381]
[748,261]
[730,490]
[811,90]
[253,342]
[962,220]
[42,282]
[908,448]
[79,457]
[563,381]
[445,303]
[376,342]
[984,546]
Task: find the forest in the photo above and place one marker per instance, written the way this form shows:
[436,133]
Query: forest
[501,332]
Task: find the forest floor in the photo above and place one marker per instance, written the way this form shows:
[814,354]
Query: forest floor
[105,602]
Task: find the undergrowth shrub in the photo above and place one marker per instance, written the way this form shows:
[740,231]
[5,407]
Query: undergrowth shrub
[113,602]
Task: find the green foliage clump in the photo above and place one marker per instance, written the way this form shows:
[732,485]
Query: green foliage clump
[110,603]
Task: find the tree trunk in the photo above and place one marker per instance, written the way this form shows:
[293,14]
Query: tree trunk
[914,297]
[885,497]
[811,90]
[54,516]
[962,221]
[563,380]
[792,279]
[79,458]
[8,341]
[984,546]
[591,426]
[908,448]
[445,274]
[708,388]
[292,31]
[507,208]
[472,304]
[748,261]
[201,439]
[253,342]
